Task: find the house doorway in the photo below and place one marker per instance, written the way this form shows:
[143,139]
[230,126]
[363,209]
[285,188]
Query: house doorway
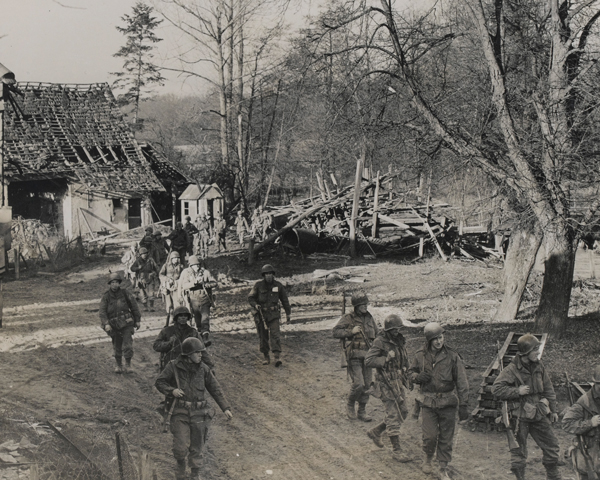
[134,212]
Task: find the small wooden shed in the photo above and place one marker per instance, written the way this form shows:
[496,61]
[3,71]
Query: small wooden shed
[198,199]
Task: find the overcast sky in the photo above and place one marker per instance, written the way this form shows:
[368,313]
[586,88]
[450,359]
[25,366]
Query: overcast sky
[72,41]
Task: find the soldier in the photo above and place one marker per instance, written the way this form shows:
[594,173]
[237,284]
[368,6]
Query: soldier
[583,418]
[220,232]
[119,315]
[171,338]
[180,241]
[169,281]
[266,299]
[439,370]
[185,381]
[196,284]
[147,240]
[388,356]
[256,221]
[189,227]
[203,224]
[527,387]
[241,226]
[360,330]
[159,248]
[147,275]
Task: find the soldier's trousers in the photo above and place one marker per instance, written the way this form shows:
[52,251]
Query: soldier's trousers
[122,341]
[393,420]
[201,313]
[147,290]
[189,436]
[438,431]
[361,380]
[272,333]
[541,431]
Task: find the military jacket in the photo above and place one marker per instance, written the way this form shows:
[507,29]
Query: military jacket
[179,239]
[199,285]
[119,309]
[170,351]
[357,347]
[506,387]
[271,297]
[169,275]
[241,223]
[220,225]
[146,270]
[449,385]
[195,380]
[577,420]
[394,370]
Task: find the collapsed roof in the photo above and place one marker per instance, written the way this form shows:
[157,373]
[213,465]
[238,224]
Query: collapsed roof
[75,132]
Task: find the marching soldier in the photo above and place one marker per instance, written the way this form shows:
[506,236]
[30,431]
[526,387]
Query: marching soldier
[180,241]
[527,387]
[184,381]
[169,281]
[360,330]
[440,372]
[170,339]
[220,233]
[388,357]
[119,315]
[203,224]
[147,275]
[583,418]
[189,227]
[241,226]
[159,248]
[196,284]
[266,299]
[256,221]
[147,240]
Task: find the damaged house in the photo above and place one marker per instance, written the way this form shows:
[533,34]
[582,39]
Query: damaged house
[72,161]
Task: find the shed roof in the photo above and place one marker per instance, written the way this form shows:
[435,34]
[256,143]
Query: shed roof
[198,191]
[76,132]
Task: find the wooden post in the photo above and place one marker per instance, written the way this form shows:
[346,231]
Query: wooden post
[357,183]
[119,456]
[592,266]
[375,207]
[421,246]
[16,251]
[343,302]
[391,182]
[251,251]
[174,207]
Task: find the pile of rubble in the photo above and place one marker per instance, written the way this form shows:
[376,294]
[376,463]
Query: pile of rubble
[387,222]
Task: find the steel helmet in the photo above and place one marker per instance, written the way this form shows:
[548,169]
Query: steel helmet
[359,298]
[268,268]
[181,311]
[143,250]
[158,233]
[392,322]
[179,225]
[527,343]
[194,260]
[432,330]
[596,374]
[149,229]
[188,218]
[114,276]
[174,254]
[191,345]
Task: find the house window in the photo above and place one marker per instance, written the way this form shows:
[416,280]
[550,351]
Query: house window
[186,208]
[117,203]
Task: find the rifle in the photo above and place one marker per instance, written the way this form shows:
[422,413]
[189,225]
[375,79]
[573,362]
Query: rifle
[169,315]
[170,414]
[261,317]
[505,418]
[210,297]
[589,463]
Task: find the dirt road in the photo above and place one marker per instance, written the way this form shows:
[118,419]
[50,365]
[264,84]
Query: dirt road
[288,423]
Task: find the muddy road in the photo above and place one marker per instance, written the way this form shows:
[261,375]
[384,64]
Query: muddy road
[55,364]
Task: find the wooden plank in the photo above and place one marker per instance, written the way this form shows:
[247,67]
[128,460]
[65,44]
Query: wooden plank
[101,220]
[87,224]
[375,207]
[434,238]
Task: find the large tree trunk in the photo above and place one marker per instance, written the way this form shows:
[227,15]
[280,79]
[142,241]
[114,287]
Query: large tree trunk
[560,246]
[520,258]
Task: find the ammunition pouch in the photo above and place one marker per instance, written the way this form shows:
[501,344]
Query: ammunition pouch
[190,405]
[439,400]
[122,320]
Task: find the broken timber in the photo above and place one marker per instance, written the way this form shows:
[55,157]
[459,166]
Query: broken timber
[488,406]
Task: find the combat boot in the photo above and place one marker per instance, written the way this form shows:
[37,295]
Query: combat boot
[443,475]
[375,434]
[552,472]
[426,466]
[519,473]
[127,368]
[397,450]
[207,342]
[350,410]
[278,362]
[180,470]
[119,367]
[362,413]
[267,359]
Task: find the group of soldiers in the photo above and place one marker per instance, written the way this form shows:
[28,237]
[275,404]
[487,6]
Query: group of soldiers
[187,369]
[187,373]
